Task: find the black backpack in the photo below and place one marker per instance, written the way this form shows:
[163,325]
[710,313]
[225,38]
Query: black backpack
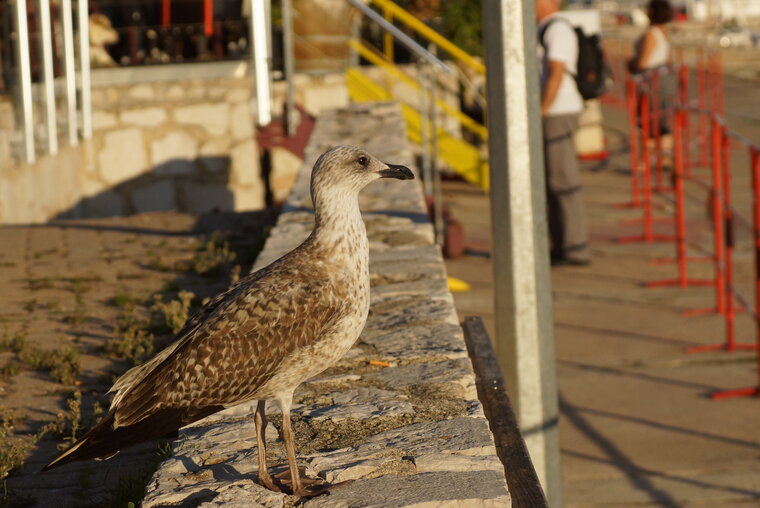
[593,71]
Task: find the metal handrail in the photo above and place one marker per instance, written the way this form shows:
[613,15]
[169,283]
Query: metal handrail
[430,34]
[400,36]
[464,120]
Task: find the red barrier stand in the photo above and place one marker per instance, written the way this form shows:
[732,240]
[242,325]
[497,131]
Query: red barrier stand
[648,235]
[633,141]
[752,390]
[683,279]
[718,232]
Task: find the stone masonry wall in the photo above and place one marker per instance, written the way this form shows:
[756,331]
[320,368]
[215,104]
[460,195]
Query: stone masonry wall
[398,417]
[184,145]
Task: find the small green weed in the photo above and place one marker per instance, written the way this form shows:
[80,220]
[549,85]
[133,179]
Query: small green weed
[172,315]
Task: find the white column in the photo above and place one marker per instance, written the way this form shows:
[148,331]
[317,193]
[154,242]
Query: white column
[25,80]
[83,12]
[260,60]
[523,306]
[48,78]
[69,71]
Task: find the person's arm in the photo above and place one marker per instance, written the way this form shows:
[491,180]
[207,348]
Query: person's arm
[556,71]
[647,47]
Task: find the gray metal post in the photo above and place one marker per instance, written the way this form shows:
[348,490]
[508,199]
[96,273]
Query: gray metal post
[291,115]
[69,71]
[48,79]
[427,175]
[437,190]
[85,82]
[24,79]
[523,306]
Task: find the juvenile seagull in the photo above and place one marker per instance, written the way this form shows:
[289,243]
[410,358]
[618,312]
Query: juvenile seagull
[263,336]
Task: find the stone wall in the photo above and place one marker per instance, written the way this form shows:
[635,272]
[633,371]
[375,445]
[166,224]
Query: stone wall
[184,145]
[398,416]
[165,138]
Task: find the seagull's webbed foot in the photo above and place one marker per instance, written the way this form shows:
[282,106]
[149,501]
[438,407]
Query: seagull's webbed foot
[308,487]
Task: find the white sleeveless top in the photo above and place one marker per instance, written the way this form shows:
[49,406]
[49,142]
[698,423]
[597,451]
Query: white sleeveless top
[661,53]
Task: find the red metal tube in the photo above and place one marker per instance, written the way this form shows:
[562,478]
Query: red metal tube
[680,211]
[683,94]
[702,105]
[655,130]
[633,133]
[166,13]
[728,238]
[717,209]
[208,17]
[755,161]
[648,220]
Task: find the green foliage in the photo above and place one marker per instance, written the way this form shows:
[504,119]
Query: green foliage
[171,316]
[462,25]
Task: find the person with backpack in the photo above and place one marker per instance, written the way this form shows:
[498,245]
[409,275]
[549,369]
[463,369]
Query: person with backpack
[561,106]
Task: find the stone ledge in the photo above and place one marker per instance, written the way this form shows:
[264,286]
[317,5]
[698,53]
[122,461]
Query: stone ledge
[411,434]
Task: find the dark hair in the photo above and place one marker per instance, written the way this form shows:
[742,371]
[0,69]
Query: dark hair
[660,12]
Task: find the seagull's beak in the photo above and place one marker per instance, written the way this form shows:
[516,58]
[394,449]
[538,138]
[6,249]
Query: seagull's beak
[398,172]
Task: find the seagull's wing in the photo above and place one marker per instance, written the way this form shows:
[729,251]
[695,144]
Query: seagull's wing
[222,356]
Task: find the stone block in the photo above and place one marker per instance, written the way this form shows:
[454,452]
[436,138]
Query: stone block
[103,120]
[320,98]
[122,156]
[142,92]
[145,117]
[248,198]
[204,197]
[241,121]
[174,154]
[245,167]
[154,197]
[238,95]
[454,376]
[214,118]
[478,489]
[361,404]
[108,203]
[214,154]
[285,167]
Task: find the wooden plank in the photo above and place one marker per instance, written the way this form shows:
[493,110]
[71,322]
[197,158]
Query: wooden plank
[524,487]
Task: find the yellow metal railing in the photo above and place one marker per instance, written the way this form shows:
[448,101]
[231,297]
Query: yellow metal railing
[391,10]
[372,57]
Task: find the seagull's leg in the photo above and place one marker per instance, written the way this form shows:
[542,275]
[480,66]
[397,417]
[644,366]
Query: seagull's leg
[290,448]
[260,419]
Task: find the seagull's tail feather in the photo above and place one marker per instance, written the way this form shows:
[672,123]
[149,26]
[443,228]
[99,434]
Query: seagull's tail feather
[103,441]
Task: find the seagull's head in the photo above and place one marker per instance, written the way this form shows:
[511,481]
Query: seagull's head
[351,168]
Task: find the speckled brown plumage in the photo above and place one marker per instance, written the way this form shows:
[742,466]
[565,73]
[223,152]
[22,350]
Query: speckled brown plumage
[267,333]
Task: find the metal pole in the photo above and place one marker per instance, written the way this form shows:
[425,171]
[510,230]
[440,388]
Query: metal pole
[48,78]
[523,306]
[83,12]
[437,191]
[260,56]
[69,71]
[25,79]
[291,115]
[427,176]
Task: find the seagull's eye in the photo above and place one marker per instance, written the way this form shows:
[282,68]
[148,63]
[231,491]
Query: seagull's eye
[363,160]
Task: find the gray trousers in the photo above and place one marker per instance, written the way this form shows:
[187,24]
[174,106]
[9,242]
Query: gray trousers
[567,218]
